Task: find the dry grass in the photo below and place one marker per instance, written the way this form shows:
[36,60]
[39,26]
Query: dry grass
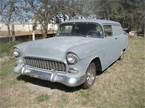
[120,86]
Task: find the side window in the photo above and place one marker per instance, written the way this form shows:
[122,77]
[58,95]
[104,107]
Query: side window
[67,29]
[99,30]
[95,30]
[108,30]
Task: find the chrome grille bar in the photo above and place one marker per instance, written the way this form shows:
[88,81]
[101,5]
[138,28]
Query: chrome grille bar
[45,64]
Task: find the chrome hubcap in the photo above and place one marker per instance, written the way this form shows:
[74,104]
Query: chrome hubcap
[91,74]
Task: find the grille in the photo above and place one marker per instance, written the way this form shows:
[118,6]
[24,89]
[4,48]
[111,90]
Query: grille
[45,64]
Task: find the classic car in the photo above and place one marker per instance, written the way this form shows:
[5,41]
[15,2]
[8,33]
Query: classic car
[77,54]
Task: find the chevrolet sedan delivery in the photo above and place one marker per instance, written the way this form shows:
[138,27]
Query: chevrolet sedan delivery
[80,50]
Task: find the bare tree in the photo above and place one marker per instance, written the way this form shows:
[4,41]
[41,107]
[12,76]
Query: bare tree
[2,7]
[11,11]
[7,14]
[44,10]
[129,13]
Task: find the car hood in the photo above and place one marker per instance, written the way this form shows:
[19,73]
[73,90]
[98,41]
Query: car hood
[52,48]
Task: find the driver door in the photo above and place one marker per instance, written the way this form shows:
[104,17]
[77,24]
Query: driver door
[110,48]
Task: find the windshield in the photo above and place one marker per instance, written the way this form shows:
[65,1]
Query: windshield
[80,29]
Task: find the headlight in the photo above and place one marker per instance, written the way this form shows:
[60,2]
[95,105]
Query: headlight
[16,52]
[72,58]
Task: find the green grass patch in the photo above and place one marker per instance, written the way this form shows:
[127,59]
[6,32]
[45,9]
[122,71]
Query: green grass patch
[7,69]
[5,48]
[42,98]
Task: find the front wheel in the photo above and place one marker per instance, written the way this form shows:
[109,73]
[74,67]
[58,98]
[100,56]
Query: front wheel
[90,76]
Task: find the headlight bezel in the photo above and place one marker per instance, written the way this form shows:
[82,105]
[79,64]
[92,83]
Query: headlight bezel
[16,53]
[71,58]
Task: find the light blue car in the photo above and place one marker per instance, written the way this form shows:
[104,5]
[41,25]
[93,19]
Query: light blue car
[76,55]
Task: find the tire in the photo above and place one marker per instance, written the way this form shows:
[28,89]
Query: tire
[90,76]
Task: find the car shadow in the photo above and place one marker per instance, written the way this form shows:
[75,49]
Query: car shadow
[48,84]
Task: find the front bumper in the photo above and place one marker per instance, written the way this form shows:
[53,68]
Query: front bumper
[68,79]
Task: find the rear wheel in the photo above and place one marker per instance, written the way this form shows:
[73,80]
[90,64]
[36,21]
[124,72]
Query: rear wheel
[90,76]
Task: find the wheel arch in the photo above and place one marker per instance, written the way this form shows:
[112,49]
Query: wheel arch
[97,63]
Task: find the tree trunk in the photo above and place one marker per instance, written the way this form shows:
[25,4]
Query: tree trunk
[13,33]
[9,32]
[144,30]
[45,31]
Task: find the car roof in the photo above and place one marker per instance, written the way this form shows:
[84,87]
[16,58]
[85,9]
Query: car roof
[100,21]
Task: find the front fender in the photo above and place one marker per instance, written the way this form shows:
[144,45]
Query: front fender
[83,63]
[87,53]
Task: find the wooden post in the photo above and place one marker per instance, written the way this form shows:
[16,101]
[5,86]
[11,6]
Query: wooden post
[33,35]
